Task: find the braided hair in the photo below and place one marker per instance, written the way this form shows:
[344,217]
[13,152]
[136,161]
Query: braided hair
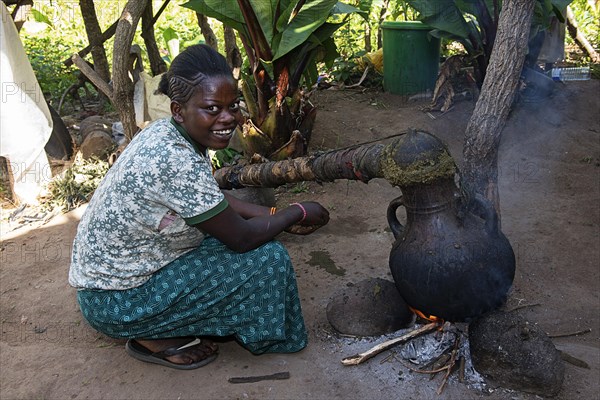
[189,69]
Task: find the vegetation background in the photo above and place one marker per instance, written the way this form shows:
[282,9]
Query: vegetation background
[54,31]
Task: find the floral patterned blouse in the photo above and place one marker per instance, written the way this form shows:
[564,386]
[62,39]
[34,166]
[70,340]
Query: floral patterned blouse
[140,218]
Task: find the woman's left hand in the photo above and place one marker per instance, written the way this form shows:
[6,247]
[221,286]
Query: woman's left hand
[298,229]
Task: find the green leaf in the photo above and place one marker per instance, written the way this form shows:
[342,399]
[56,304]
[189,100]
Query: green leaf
[265,13]
[443,15]
[561,4]
[172,40]
[226,11]
[39,17]
[310,17]
[470,6]
[343,8]
[330,52]
[286,12]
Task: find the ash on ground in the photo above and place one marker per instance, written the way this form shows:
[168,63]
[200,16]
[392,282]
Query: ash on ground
[417,354]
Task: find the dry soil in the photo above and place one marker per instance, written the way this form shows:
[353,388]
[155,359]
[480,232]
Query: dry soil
[550,190]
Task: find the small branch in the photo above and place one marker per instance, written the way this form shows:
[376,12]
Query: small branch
[362,78]
[107,34]
[461,370]
[574,360]
[523,306]
[450,365]
[588,330]
[362,357]
[92,75]
[110,32]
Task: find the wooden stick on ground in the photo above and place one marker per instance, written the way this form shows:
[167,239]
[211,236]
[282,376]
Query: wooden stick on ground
[362,357]
[252,379]
[557,335]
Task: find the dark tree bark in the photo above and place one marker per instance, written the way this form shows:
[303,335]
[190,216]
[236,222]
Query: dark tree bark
[207,32]
[20,12]
[384,8]
[368,47]
[122,84]
[6,181]
[232,52]
[157,64]
[107,34]
[482,136]
[94,34]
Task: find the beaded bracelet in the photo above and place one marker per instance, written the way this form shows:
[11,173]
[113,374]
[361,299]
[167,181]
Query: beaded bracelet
[303,210]
[273,211]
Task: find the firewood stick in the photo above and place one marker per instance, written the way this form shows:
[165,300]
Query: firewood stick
[461,371]
[362,357]
[557,335]
[450,366]
[523,306]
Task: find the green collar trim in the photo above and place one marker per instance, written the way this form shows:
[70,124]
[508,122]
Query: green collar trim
[187,137]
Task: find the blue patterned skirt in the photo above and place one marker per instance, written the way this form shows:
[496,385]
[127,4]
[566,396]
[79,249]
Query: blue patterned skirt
[210,291]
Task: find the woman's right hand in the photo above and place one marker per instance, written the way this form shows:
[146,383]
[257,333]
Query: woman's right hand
[316,214]
[241,235]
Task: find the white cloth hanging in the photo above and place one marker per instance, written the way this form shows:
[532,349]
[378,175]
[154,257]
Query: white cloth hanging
[25,121]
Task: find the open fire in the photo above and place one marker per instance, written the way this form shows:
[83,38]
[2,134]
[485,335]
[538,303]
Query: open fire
[435,348]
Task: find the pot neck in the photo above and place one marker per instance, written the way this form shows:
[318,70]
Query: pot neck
[430,198]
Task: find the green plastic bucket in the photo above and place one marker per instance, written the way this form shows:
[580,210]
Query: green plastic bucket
[410,57]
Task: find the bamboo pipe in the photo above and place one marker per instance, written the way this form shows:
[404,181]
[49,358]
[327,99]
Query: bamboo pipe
[417,157]
[359,163]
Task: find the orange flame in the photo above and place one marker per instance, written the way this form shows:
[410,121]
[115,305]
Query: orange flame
[430,318]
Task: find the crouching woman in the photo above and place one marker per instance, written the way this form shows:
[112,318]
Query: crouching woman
[163,258]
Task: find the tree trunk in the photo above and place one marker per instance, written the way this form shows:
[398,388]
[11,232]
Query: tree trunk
[207,32]
[368,47]
[94,34]
[7,192]
[384,9]
[157,64]
[20,12]
[122,84]
[232,52]
[107,34]
[482,136]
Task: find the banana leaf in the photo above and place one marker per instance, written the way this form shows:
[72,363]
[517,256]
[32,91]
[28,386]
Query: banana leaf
[443,15]
[228,12]
[283,40]
[310,17]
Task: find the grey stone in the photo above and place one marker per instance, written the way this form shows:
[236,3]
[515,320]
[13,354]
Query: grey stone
[371,307]
[515,354]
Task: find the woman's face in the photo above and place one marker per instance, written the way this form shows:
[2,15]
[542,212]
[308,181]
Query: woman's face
[211,115]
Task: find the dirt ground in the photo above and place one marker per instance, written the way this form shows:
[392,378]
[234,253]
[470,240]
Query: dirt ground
[550,191]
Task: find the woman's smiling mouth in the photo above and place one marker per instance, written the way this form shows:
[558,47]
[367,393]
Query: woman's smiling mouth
[224,132]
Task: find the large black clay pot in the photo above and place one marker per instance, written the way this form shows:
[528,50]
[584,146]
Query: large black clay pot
[450,258]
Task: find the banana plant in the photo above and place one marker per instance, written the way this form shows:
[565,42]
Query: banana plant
[283,41]
[474,23]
